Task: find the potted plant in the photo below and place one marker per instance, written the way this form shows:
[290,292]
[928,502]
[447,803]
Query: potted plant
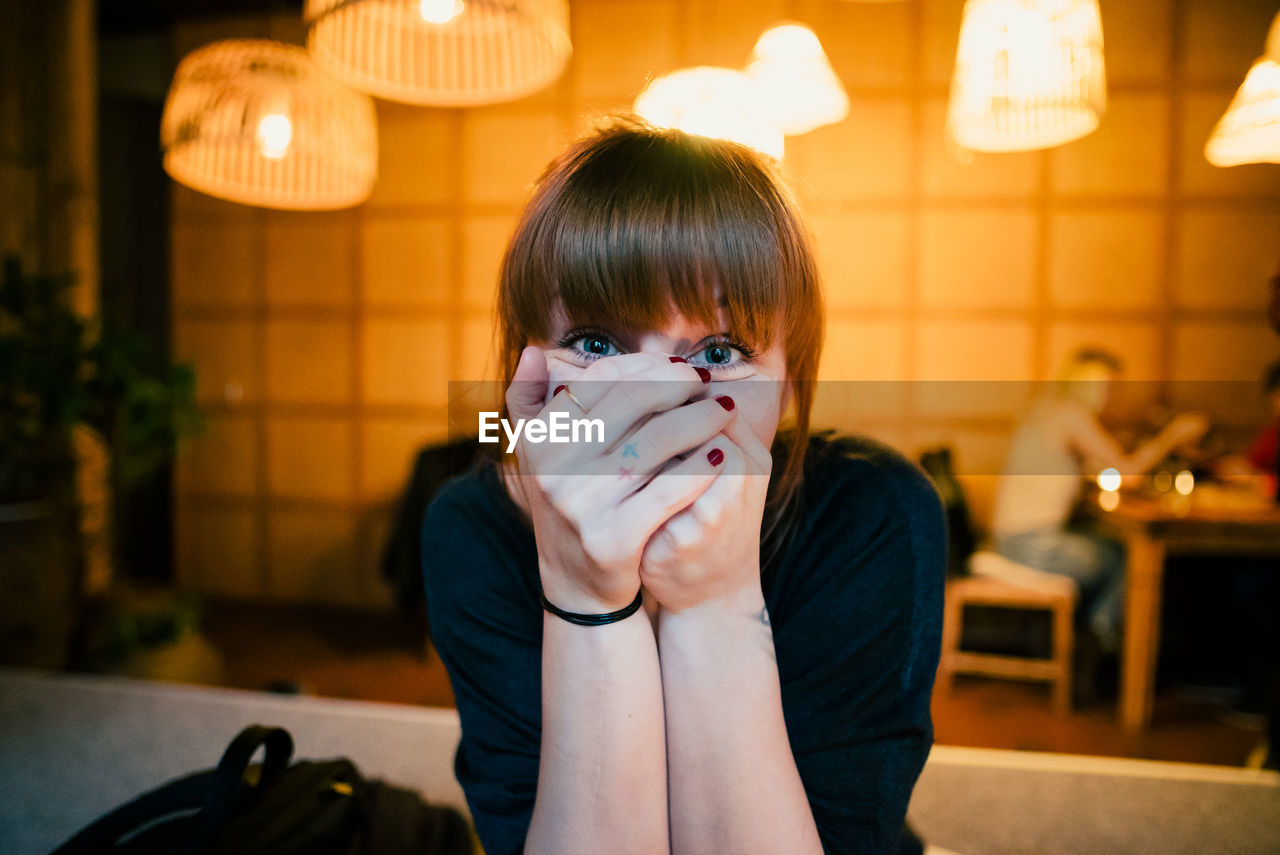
[62,376]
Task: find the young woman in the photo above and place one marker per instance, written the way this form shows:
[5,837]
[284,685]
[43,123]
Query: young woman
[772,695]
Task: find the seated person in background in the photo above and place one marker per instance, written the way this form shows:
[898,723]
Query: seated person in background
[1059,443]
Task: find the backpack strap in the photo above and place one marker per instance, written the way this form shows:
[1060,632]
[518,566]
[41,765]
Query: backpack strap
[184,794]
[226,788]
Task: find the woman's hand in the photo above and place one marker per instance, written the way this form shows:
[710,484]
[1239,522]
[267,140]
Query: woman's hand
[594,506]
[709,552]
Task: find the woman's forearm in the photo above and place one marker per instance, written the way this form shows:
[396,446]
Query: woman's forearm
[732,778]
[602,772]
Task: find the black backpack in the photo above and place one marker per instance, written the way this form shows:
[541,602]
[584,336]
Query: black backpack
[309,808]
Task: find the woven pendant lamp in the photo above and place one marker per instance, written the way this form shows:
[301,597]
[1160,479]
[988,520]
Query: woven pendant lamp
[795,80]
[447,53]
[1249,132]
[255,122]
[1029,74]
[707,101]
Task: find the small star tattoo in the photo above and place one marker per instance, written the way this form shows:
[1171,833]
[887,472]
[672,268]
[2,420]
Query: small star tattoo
[629,450]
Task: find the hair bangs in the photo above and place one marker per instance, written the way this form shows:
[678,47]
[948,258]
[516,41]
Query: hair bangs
[640,227]
[647,258]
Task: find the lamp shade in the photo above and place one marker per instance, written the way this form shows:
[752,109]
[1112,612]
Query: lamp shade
[1249,132]
[254,121]
[1029,74]
[795,81]
[448,53]
[711,102]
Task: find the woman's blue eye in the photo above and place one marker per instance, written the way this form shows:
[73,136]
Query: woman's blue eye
[718,354]
[589,345]
[723,355]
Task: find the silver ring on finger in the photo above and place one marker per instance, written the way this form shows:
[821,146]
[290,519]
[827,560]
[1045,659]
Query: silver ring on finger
[572,397]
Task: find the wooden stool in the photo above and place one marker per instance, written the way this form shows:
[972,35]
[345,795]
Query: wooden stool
[997,581]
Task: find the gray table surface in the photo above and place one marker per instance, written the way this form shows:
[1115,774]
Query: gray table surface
[73,747]
[984,802]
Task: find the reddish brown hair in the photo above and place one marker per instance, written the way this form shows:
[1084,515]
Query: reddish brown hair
[634,221]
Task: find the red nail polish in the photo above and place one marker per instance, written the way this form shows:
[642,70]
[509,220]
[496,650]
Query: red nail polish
[726,402]
[703,373]
[558,390]
[677,359]
[715,457]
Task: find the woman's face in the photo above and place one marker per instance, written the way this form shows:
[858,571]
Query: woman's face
[756,380]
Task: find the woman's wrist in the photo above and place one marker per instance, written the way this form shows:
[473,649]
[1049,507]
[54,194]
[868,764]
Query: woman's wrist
[567,594]
[723,637]
[595,618]
[745,604]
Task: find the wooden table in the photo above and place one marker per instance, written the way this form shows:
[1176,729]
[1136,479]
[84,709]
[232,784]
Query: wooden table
[1209,521]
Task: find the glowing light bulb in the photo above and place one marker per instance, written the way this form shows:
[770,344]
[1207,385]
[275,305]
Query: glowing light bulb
[796,86]
[1109,479]
[712,102]
[1109,501]
[789,41]
[1184,482]
[275,132]
[1031,52]
[1262,78]
[439,11]
[1249,132]
[1029,74]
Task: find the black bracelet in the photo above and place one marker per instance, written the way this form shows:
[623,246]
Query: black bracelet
[596,620]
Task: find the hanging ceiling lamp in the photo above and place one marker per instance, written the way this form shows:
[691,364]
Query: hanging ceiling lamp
[1249,132]
[447,53]
[795,81]
[1029,74]
[711,102]
[254,121]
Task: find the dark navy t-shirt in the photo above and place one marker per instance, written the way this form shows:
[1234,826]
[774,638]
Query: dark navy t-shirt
[855,602]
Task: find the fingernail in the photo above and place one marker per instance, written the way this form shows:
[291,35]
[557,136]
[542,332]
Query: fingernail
[558,390]
[704,374]
[726,402]
[677,359]
[715,457]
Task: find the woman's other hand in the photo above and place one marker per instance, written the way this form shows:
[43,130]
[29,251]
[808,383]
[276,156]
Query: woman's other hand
[709,552]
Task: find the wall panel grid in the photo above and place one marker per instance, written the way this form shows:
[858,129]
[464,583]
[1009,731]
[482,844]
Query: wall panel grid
[324,343]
